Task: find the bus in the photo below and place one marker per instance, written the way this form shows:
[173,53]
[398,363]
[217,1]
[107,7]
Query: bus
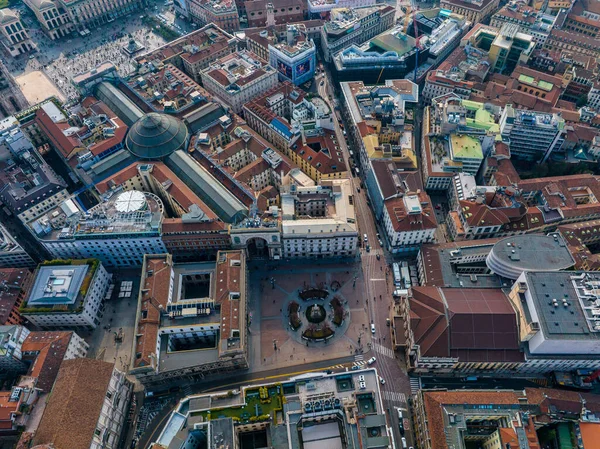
[397,277]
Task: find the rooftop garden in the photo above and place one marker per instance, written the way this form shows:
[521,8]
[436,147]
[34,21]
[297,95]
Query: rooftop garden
[262,404]
[77,307]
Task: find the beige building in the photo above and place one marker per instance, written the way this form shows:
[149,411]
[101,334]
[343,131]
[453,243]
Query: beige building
[193,52]
[52,16]
[319,221]
[13,35]
[222,13]
[85,14]
[238,78]
[473,10]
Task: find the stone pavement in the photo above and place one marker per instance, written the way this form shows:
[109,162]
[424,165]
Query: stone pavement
[269,321]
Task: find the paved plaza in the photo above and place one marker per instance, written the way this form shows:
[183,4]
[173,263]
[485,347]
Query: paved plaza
[119,314]
[273,344]
[36,87]
[60,60]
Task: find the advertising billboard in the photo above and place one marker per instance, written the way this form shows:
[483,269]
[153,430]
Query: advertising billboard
[303,67]
[284,69]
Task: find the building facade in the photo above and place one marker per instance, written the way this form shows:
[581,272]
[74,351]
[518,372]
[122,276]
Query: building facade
[532,135]
[354,26]
[98,394]
[52,16]
[473,10]
[67,295]
[13,35]
[90,14]
[238,78]
[319,221]
[12,255]
[295,58]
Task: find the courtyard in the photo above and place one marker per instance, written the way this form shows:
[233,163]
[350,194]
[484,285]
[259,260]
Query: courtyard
[301,314]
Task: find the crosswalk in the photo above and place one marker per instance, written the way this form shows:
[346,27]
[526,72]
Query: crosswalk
[415,385]
[187,390]
[394,396]
[383,350]
[359,360]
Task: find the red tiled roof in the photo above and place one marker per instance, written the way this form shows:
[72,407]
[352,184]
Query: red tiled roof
[50,349]
[15,284]
[73,409]
[435,400]
[403,221]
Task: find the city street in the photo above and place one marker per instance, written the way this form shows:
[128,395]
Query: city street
[379,285]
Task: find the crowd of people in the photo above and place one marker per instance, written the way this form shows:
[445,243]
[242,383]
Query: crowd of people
[63,68]
[62,59]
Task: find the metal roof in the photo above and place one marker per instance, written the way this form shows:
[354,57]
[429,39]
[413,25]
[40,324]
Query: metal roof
[156,136]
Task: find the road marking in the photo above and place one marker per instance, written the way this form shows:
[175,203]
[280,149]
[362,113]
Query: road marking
[359,357]
[384,350]
[415,384]
[378,279]
[394,396]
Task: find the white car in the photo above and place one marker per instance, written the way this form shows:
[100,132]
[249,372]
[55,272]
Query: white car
[371,361]
[372,328]
[381,380]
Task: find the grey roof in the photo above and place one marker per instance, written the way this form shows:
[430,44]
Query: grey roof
[210,190]
[205,116]
[7,15]
[156,136]
[560,322]
[57,284]
[118,102]
[513,255]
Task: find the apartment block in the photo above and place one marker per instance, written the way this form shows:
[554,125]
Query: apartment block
[239,78]
[182,333]
[16,283]
[12,255]
[319,221]
[220,13]
[295,57]
[67,295]
[354,26]
[529,21]
[191,53]
[67,232]
[28,185]
[94,391]
[409,221]
[531,135]
[475,11]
